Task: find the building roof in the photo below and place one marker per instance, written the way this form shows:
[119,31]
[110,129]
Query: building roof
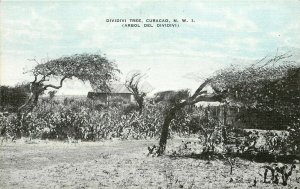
[116,88]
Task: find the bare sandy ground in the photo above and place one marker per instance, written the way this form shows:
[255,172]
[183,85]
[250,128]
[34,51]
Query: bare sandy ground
[119,164]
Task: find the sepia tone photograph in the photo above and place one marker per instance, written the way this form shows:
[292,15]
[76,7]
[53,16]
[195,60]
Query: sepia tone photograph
[157,94]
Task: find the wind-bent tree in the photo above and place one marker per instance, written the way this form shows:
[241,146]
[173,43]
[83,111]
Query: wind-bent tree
[134,85]
[269,85]
[182,99]
[268,93]
[95,68]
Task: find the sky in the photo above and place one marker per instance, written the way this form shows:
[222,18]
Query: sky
[224,33]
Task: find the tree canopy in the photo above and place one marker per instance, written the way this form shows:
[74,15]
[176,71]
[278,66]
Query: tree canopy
[95,68]
[270,87]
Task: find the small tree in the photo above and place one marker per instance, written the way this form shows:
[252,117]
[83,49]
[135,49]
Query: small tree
[134,85]
[95,68]
[179,101]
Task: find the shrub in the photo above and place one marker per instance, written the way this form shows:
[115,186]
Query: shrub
[294,137]
[130,108]
[81,119]
[13,97]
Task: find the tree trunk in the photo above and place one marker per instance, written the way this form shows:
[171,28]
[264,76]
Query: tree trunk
[170,115]
[224,132]
[165,130]
[140,102]
[30,104]
[23,112]
[225,114]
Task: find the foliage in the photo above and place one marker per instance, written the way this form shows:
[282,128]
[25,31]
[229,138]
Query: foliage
[211,130]
[13,97]
[95,68]
[8,126]
[135,85]
[178,100]
[80,119]
[83,119]
[270,90]
[294,137]
[130,108]
[276,143]
[183,115]
[52,94]
[163,96]
[267,94]
[190,119]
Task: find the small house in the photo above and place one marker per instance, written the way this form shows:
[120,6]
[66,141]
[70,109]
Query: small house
[116,91]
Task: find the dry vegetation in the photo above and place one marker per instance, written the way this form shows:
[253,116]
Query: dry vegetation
[120,164]
[78,143]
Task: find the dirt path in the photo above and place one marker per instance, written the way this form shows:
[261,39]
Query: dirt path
[115,164]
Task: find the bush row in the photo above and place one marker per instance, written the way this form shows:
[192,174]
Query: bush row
[83,120]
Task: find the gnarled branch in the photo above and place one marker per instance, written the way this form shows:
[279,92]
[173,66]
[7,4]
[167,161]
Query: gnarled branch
[200,88]
[60,84]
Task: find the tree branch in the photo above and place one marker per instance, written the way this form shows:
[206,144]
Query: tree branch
[45,76]
[277,58]
[57,87]
[197,92]
[34,60]
[206,98]
[35,78]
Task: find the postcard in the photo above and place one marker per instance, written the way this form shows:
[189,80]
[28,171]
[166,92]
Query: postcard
[149,94]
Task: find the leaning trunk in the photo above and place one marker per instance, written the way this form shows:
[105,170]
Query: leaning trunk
[165,130]
[30,104]
[170,115]
[140,108]
[23,112]
[140,103]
